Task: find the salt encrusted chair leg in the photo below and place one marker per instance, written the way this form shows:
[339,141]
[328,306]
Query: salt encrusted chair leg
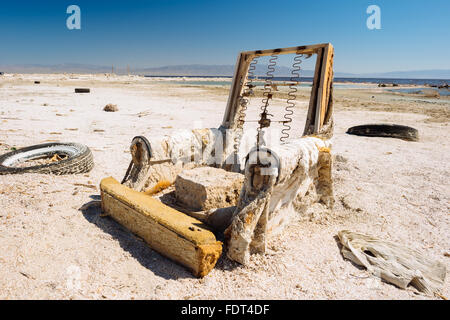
[259,242]
[241,232]
[324,180]
[248,230]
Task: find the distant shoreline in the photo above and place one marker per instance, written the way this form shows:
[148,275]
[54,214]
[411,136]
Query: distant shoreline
[397,84]
[399,81]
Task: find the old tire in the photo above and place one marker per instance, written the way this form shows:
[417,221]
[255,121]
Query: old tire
[82,90]
[385,130]
[79,159]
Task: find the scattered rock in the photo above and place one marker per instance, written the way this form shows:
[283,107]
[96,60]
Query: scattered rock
[110,108]
[341,158]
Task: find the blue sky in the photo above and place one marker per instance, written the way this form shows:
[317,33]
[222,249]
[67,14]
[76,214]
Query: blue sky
[414,34]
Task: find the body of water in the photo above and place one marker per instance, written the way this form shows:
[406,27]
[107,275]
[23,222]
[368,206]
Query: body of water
[339,83]
[420,82]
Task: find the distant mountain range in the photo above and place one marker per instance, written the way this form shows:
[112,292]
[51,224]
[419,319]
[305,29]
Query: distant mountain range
[210,70]
[55,68]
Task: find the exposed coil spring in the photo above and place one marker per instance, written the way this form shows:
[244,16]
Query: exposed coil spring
[244,101]
[264,120]
[268,82]
[290,103]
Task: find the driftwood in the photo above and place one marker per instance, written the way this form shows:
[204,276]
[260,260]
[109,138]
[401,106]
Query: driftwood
[393,263]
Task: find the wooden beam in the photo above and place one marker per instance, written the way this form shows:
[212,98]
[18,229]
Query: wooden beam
[172,233]
[311,116]
[311,49]
[237,86]
[320,91]
[325,82]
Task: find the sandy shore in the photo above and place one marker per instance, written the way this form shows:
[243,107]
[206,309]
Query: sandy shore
[388,188]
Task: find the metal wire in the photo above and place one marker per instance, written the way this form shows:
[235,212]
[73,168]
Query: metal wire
[292,96]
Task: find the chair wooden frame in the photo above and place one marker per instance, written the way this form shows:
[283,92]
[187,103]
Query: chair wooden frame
[320,103]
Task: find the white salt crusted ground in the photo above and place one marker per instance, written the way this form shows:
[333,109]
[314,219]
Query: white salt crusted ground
[389,188]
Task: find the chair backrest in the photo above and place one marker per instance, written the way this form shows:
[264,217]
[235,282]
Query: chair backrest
[320,104]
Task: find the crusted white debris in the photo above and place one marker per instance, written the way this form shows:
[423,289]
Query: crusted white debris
[206,188]
[266,204]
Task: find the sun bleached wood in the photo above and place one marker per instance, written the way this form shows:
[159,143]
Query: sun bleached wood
[237,87]
[172,233]
[320,97]
[325,83]
[309,49]
[311,115]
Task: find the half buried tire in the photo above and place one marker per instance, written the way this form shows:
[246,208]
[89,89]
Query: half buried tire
[385,130]
[54,158]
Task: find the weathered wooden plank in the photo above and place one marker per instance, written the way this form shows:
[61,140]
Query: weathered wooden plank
[311,49]
[320,90]
[237,87]
[241,71]
[326,78]
[311,116]
[174,234]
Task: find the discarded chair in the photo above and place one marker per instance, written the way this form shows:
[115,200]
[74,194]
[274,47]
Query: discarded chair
[274,180]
